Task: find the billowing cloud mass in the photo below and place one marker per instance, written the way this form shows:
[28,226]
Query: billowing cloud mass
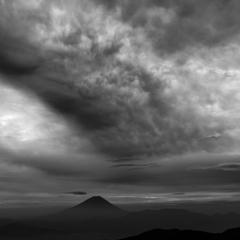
[123,83]
[136,79]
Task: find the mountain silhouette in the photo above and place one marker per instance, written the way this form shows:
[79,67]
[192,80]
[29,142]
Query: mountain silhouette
[97,215]
[97,203]
[93,208]
[136,222]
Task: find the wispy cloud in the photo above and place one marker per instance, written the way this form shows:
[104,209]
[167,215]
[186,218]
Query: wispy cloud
[76,193]
[213,137]
[221,167]
[132,165]
[179,193]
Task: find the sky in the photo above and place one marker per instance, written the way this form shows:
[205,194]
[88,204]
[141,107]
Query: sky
[134,100]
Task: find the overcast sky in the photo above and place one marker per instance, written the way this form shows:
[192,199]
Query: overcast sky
[134,100]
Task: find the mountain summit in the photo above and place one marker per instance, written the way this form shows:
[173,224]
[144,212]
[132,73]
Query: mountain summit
[92,208]
[94,201]
[97,203]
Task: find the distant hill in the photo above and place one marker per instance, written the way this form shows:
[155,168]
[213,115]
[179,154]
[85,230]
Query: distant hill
[171,218]
[137,222]
[97,215]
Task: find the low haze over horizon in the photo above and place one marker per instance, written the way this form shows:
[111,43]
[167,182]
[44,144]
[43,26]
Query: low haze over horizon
[137,101]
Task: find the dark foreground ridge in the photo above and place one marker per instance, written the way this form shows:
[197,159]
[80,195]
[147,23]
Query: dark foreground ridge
[185,234]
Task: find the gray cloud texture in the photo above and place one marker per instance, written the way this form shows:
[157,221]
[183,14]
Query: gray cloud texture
[129,77]
[175,25]
[220,178]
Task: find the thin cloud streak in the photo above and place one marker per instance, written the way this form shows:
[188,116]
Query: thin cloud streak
[76,193]
[129,165]
[220,167]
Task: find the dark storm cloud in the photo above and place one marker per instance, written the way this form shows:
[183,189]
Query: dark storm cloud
[97,100]
[88,113]
[111,76]
[76,193]
[16,58]
[92,107]
[120,106]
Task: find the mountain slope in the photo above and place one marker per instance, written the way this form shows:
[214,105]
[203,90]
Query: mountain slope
[97,203]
